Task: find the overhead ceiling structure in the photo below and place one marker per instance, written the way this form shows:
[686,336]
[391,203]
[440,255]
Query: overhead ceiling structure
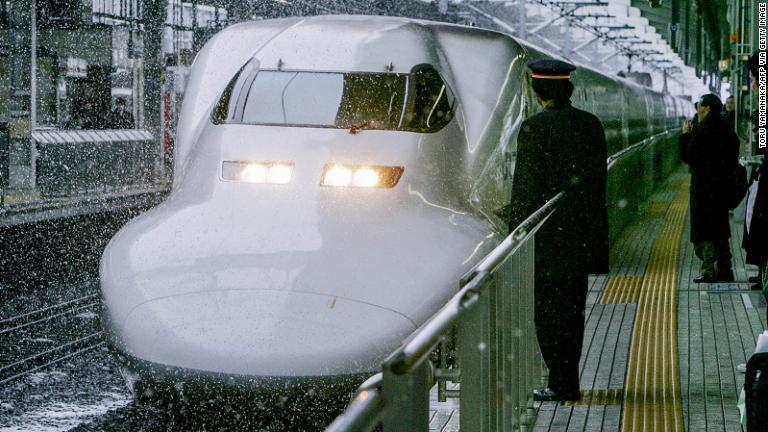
[610,35]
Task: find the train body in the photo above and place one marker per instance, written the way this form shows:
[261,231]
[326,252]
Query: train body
[335,177]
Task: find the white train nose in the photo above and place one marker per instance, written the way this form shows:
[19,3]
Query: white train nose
[263,333]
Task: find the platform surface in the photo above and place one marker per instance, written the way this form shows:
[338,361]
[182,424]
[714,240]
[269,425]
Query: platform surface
[32,207]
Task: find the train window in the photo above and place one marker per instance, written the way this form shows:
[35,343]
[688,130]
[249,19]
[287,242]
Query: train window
[416,102]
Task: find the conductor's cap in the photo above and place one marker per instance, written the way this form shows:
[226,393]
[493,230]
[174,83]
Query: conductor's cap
[550,69]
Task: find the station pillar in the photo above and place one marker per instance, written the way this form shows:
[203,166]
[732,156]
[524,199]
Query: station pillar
[154,19]
[21,107]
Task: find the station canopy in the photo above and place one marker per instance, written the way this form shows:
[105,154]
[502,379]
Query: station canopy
[609,35]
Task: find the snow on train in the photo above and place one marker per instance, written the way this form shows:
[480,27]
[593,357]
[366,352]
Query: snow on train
[336,175]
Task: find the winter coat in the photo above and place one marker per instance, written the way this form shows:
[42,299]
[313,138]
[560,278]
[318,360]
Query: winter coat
[563,149]
[711,151]
[755,241]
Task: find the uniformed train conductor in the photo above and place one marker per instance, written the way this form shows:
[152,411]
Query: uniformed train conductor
[562,148]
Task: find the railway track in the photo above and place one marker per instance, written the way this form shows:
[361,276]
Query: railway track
[22,321]
[36,362]
[41,338]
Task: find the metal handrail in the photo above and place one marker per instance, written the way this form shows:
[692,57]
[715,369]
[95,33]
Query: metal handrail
[423,340]
[752,161]
[621,154]
[368,405]
[365,409]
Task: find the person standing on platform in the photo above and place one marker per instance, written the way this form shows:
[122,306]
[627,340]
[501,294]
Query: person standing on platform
[120,117]
[559,149]
[755,241]
[729,112]
[695,118]
[711,151]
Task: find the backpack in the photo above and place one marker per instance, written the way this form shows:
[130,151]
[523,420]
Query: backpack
[737,186]
[756,389]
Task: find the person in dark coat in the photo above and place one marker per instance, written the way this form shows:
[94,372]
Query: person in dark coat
[755,241]
[120,117]
[562,149]
[695,118]
[729,112]
[711,151]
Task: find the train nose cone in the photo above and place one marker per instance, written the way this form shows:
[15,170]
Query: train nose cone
[263,332]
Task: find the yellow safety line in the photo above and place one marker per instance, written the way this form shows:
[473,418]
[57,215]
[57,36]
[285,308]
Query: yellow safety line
[658,208]
[652,386]
[621,289]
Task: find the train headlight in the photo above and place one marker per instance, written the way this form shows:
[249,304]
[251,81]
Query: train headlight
[257,172]
[361,176]
[280,173]
[337,175]
[366,177]
[253,173]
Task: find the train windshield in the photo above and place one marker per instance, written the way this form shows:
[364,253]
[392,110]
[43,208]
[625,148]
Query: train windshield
[416,102]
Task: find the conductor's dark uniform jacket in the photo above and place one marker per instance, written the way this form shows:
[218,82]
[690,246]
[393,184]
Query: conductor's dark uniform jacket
[563,149]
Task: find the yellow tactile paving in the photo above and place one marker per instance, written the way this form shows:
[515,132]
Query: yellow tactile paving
[652,386]
[621,290]
[658,208]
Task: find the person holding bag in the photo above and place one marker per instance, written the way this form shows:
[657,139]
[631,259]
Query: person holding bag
[711,151]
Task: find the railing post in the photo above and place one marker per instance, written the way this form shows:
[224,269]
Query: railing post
[407,399]
[508,355]
[531,374]
[474,352]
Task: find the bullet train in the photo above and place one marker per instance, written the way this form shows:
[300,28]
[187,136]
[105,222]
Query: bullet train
[335,176]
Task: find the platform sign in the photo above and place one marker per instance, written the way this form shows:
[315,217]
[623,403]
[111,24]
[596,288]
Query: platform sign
[75,67]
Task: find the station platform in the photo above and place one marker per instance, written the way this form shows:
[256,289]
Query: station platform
[660,351]
[31,207]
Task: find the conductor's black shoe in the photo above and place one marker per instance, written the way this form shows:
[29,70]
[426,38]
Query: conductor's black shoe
[756,287]
[705,278]
[753,279]
[547,395]
[725,276]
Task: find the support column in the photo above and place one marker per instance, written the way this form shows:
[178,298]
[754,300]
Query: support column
[686,32]
[154,18]
[675,24]
[21,117]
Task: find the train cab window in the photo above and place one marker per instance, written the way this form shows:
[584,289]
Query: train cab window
[419,101]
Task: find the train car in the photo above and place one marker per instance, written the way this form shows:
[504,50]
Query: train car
[335,176]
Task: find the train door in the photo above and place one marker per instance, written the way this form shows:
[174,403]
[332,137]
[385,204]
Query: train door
[649,113]
[608,107]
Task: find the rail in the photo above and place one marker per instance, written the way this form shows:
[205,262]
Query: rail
[621,154]
[752,161]
[489,322]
